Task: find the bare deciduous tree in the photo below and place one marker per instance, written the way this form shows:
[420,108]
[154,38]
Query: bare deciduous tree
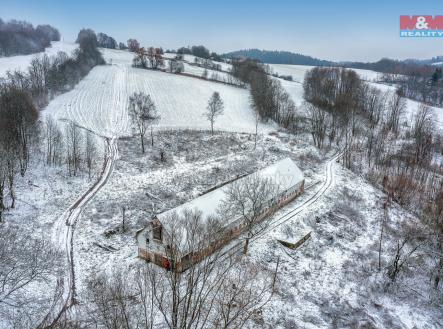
[248,200]
[318,123]
[90,151]
[74,139]
[422,130]
[143,114]
[24,262]
[214,109]
[406,247]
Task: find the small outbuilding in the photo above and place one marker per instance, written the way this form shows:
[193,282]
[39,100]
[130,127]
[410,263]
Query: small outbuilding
[151,239]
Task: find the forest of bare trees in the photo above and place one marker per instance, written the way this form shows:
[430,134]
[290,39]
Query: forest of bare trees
[26,142]
[394,153]
[423,86]
[268,97]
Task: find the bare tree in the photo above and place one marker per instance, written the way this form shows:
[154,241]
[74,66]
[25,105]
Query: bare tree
[396,109]
[205,73]
[53,141]
[143,114]
[112,302]
[155,57]
[249,201]
[422,130]
[175,66]
[217,291]
[407,246]
[133,45]
[3,177]
[238,300]
[214,109]
[318,123]
[90,151]
[24,262]
[204,295]
[74,139]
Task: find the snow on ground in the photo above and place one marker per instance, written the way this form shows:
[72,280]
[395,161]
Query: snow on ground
[332,280]
[295,88]
[100,101]
[412,106]
[195,162]
[212,74]
[22,62]
[298,72]
[191,58]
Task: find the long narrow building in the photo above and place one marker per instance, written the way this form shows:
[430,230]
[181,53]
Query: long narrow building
[151,239]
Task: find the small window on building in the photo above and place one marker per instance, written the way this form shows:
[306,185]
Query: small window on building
[147,241]
[157,233]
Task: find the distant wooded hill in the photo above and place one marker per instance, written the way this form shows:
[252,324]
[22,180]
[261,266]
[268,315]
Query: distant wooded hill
[21,38]
[278,57]
[385,65]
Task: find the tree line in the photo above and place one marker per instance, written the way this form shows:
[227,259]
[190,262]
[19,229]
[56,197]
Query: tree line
[48,76]
[198,51]
[268,97]
[22,94]
[22,38]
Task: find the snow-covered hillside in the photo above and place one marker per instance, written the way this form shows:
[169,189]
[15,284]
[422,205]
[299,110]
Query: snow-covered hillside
[22,62]
[100,101]
[295,87]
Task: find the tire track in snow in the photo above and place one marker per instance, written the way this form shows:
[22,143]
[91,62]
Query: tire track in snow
[65,228]
[326,185]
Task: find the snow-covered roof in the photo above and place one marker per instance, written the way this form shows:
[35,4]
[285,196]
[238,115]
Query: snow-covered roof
[284,173]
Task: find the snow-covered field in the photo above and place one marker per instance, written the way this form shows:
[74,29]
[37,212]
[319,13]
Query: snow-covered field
[22,62]
[100,101]
[320,286]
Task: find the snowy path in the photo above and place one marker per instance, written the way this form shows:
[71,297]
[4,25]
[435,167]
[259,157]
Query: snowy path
[65,227]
